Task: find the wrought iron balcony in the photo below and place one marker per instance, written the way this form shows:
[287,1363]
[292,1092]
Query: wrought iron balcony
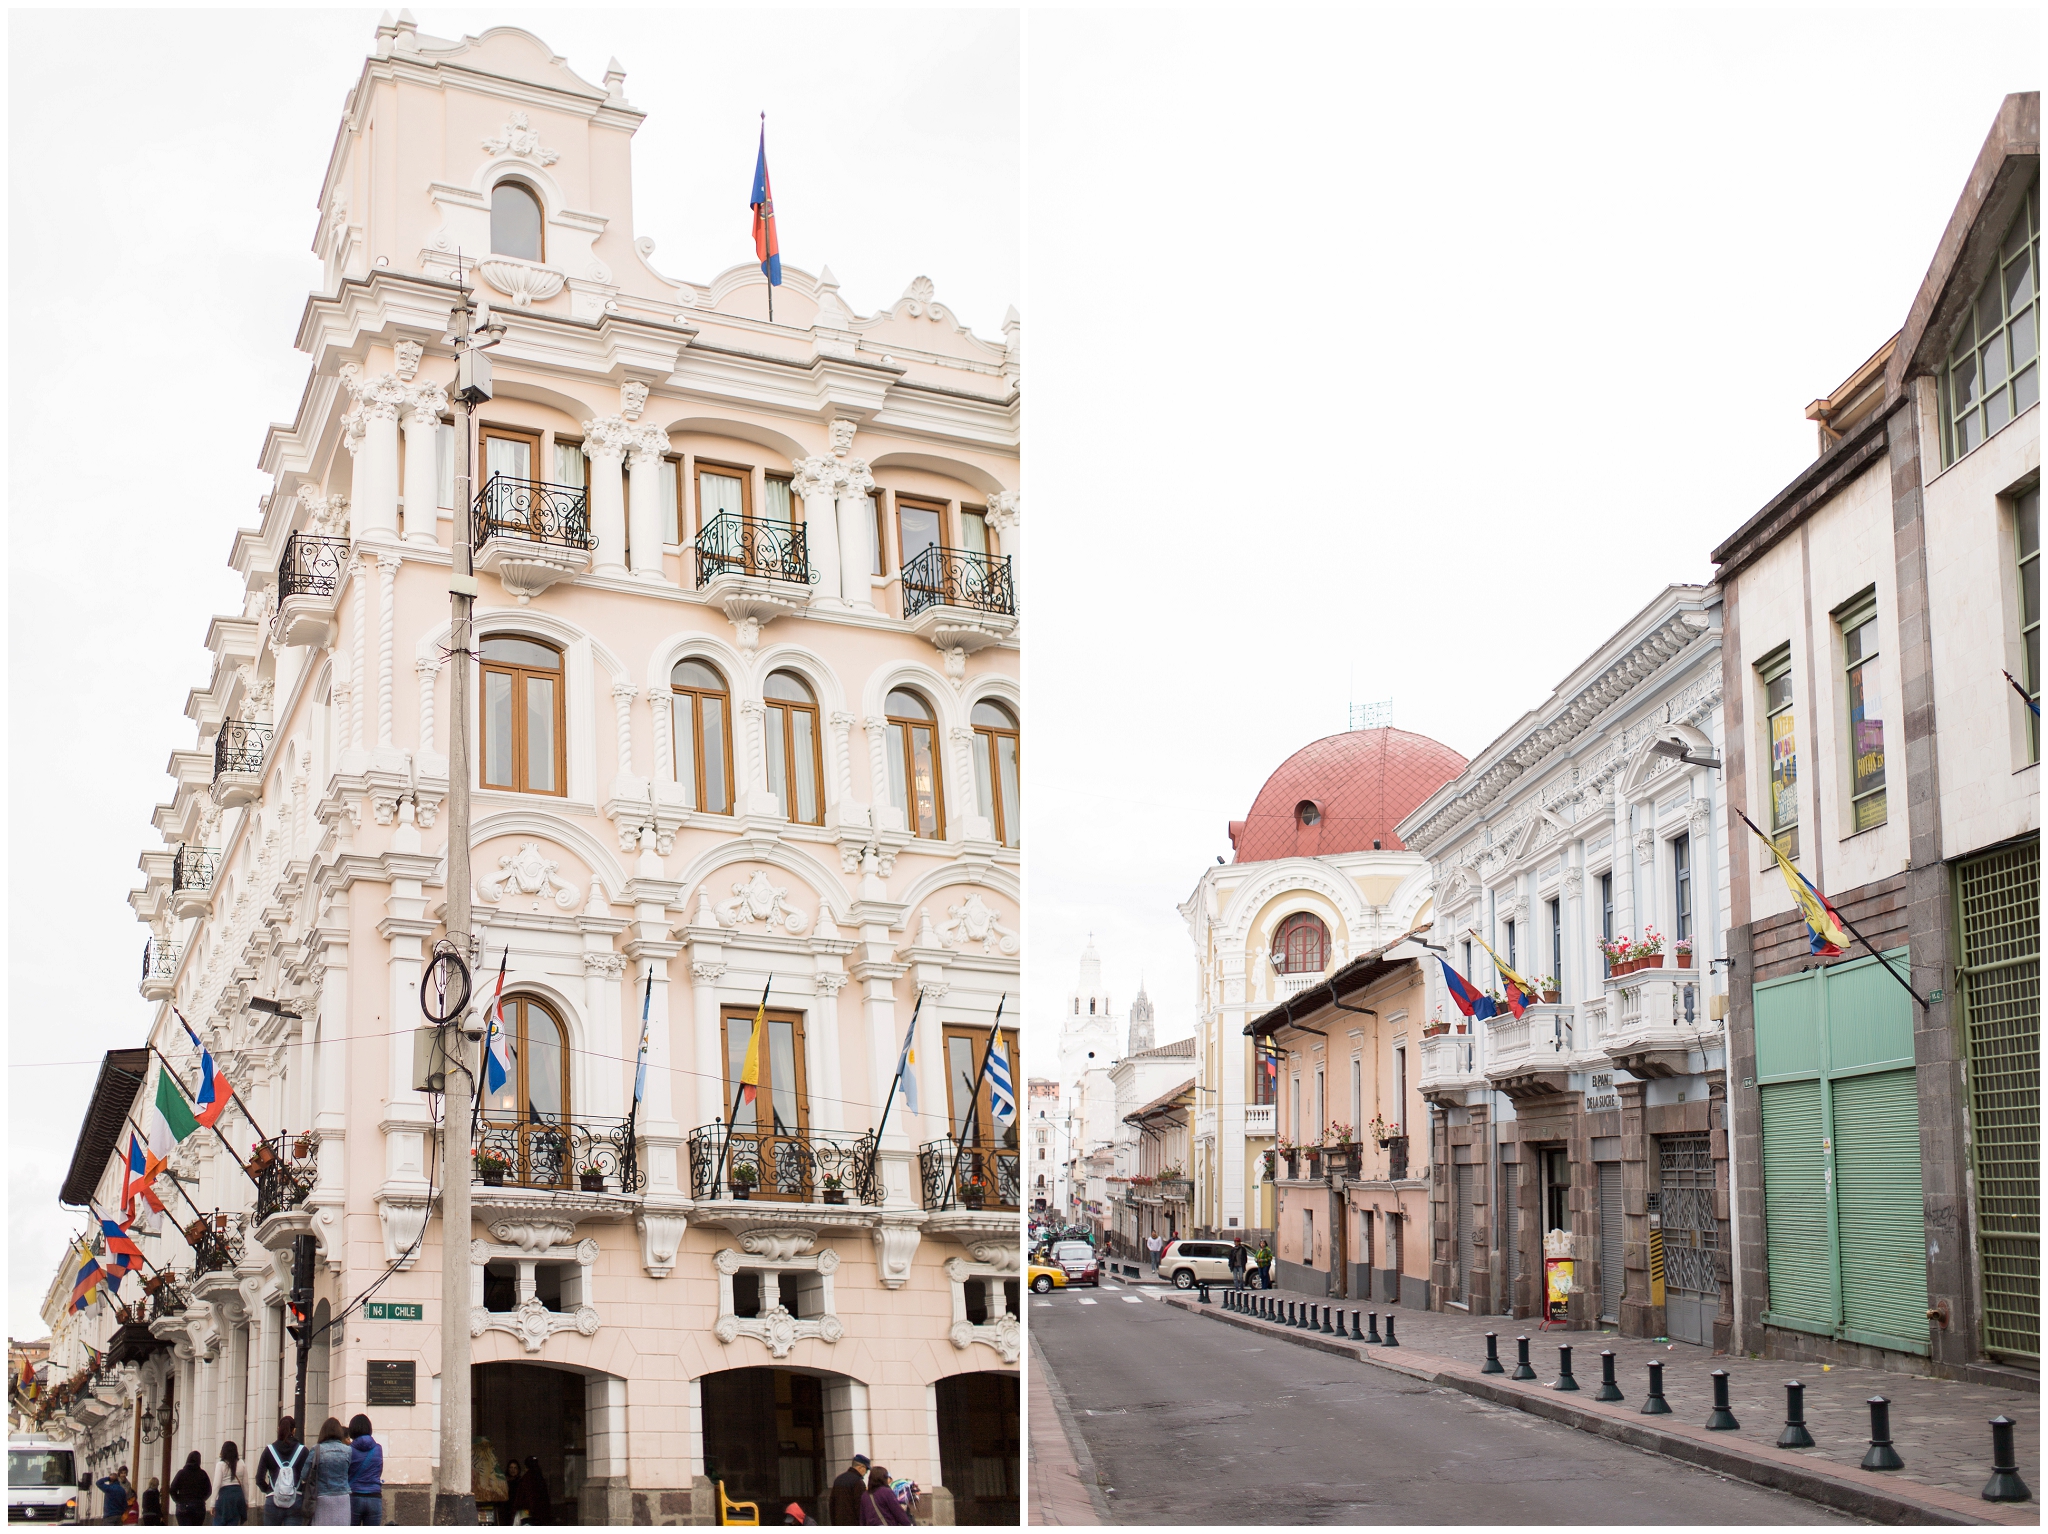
[240,746]
[311,566]
[159,961]
[978,1179]
[193,869]
[552,1150]
[769,550]
[533,511]
[940,577]
[799,1166]
[217,1242]
[285,1168]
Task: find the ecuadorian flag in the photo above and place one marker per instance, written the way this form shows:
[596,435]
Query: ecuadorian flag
[1467,998]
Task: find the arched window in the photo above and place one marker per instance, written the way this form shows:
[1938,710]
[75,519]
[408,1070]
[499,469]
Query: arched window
[995,767]
[703,742]
[1302,945]
[796,760]
[525,1118]
[914,781]
[523,729]
[515,222]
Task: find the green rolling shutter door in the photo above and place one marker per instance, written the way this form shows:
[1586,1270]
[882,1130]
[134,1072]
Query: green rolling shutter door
[1801,1264]
[1877,1202]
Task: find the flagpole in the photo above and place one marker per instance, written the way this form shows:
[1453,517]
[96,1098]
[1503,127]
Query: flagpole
[196,1210]
[95,1208]
[896,1080]
[236,1098]
[973,1098]
[171,1071]
[732,1115]
[476,1103]
[1851,926]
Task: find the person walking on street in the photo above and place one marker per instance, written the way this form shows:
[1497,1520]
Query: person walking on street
[1155,1246]
[281,1476]
[327,1476]
[1264,1258]
[114,1496]
[365,1474]
[846,1490]
[879,1504]
[190,1489]
[1240,1259]
[230,1486]
[153,1502]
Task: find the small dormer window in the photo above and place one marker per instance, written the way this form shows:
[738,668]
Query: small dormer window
[515,222]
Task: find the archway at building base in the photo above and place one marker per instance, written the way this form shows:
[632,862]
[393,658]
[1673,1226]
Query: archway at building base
[978,1446]
[523,1411]
[765,1437]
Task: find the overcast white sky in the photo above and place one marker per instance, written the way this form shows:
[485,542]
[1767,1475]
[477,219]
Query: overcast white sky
[1420,348]
[164,167]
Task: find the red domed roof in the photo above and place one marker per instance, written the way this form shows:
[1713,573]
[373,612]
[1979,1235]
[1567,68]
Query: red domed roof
[1361,784]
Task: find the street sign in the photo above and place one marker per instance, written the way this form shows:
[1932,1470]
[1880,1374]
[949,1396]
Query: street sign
[389,1381]
[394,1310]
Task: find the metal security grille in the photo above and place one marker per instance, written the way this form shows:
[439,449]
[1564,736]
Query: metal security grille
[1464,1228]
[1999,915]
[1511,1196]
[1610,1240]
[1691,1235]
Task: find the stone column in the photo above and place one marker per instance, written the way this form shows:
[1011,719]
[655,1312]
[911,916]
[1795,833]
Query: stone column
[855,556]
[1624,867]
[603,975]
[842,762]
[387,618]
[663,710]
[370,429]
[429,671]
[707,968]
[975,822]
[829,1110]
[817,481]
[1643,874]
[646,445]
[660,1136]
[623,694]
[359,660]
[756,800]
[1003,520]
[424,403]
[888,814]
[605,441]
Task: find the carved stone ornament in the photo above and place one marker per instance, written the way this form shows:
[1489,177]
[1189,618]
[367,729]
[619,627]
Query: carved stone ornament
[1000,1334]
[408,353]
[606,966]
[776,1327]
[529,872]
[996,1254]
[760,900]
[973,922]
[779,1245]
[1003,509]
[661,1236]
[520,281]
[521,139]
[535,1233]
[919,301]
[895,1246]
[532,1322]
[842,437]
[632,399]
[326,515]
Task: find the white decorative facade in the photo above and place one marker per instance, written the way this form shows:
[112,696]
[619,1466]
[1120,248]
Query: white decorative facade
[745,716]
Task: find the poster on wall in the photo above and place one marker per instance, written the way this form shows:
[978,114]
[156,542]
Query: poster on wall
[1557,1287]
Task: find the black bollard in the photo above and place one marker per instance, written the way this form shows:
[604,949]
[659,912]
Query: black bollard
[1608,1391]
[1287,1312]
[1654,1404]
[1522,1369]
[1392,1341]
[1721,1419]
[1492,1364]
[1327,1328]
[1795,1435]
[2005,1484]
[1308,1317]
[1564,1380]
[1204,1286]
[1881,1456]
[1356,1334]
[1372,1326]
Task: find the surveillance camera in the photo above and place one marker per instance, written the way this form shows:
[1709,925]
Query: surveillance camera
[472,1024]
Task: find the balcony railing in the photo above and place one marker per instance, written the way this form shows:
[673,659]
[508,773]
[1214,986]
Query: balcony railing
[797,1166]
[240,746]
[981,1179]
[194,868]
[1176,1189]
[1259,1119]
[159,960]
[311,567]
[285,1169]
[531,510]
[735,545]
[217,1242]
[590,1155]
[940,577]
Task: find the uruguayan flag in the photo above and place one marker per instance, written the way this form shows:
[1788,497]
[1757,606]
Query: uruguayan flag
[1002,1092]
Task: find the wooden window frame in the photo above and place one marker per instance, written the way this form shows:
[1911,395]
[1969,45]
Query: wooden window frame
[1783,834]
[989,535]
[788,707]
[1849,619]
[532,438]
[904,726]
[1683,888]
[989,1136]
[796,502]
[735,1023]
[988,736]
[519,673]
[919,503]
[696,695]
[743,472]
[518,1009]
[1296,921]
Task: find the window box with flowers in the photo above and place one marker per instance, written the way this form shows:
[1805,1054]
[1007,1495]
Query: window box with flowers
[1435,1028]
[492,1169]
[1681,953]
[1285,1151]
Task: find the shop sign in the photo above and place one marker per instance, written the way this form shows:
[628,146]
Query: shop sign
[1601,1097]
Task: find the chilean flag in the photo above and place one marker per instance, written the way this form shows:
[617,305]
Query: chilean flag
[1469,1001]
[766,247]
[137,1176]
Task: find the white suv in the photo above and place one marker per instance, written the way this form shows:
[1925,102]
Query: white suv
[1188,1263]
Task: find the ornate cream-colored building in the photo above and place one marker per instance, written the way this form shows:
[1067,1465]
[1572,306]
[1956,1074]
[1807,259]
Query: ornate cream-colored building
[746,715]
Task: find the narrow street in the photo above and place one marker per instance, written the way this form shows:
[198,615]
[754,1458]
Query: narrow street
[1193,1423]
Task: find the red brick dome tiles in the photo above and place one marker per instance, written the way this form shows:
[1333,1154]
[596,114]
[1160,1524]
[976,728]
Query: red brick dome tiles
[1359,783]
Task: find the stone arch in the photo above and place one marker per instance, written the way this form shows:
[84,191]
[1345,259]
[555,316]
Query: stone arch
[544,826]
[688,644]
[937,691]
[996,879]
[575,407]
[719,426]
[507,620]
[822,881]
[1636,775]
[938,463]
[547,989]
[1300,874]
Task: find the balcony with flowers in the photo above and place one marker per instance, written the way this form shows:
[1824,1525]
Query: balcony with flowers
[1655,1019]
[1450,1062]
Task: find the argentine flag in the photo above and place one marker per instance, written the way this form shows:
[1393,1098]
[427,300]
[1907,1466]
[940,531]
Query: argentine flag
[1002,1092]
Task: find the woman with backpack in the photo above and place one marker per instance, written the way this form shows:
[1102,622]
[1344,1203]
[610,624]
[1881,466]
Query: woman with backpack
[281,1476]
[190,1489]
[230,1487]
[879,1504]
[327,1476]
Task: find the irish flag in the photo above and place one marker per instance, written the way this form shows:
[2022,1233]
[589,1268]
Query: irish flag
[170,1118]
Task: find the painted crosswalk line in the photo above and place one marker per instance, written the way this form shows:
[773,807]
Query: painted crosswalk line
[1087,1302]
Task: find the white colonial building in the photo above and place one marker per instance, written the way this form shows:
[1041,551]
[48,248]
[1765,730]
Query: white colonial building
[745,713]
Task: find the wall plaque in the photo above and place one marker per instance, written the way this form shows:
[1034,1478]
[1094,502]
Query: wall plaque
[390,1381]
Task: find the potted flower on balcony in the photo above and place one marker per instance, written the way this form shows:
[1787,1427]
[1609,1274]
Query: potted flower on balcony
[835,1190]
[1649,953]
[491,1168]
[743,1179]
[1618,950]
[1435,1028]
[1547,985]
[1681,952]
[591,1179]
[302,1147]
[973,1191]
[1284,1149]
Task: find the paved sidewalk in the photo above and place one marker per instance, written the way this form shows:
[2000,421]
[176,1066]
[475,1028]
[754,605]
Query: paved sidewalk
[1939,1427]
[1063,1489]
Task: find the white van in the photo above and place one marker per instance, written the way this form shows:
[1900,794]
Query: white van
[42,1479]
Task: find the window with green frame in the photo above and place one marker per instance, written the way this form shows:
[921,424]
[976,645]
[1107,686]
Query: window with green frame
[2027,525]
[1993,370]
[1863,689]
[1781,749]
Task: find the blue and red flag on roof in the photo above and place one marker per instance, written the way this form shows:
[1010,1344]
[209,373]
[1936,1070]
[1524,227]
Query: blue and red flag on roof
[767,250]
[1464,995]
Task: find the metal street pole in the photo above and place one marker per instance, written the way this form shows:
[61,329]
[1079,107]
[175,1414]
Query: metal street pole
[456,1502]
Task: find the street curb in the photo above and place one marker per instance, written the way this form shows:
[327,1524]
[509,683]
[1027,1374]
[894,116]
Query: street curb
[1858,1493]
[1084,1462]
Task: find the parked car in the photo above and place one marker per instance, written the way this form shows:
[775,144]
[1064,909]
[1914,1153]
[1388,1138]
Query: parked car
[1188,1263]
[1045,1277]
[1077,1260]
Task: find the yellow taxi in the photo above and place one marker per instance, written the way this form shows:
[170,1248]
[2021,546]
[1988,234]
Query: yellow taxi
[1044,1277]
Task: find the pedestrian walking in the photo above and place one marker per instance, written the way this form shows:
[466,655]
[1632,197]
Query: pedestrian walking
[191,1488]
[365,1474]
[1264,1258]
[327,1476]
[1155,1246]
[879,1504]
[1240,1259]
[846,1490]
[230,1486]
[115,1495]
[281,1476]
[153,1502]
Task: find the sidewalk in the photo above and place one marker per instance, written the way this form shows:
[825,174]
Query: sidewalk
[1939,1427]
[1063,1489]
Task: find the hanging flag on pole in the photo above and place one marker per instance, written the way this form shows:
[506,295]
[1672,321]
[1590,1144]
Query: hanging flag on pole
[88,1281]
[750,1068]
[1823,923]
[214,1090]
[1521,994]
[497,1048]
[2025,696]
[170,1120]
[640,1070]
[767,249]
[1002,1092]
[137,1176]
[1467,999]
[906,1064]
